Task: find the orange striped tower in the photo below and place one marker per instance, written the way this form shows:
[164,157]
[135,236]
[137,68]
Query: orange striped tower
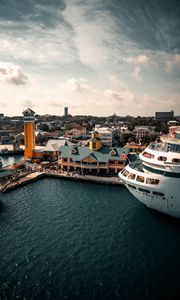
[29,133]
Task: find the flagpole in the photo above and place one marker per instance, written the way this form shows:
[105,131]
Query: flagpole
[126,157]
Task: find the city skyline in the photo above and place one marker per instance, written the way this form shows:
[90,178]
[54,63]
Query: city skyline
[94,57]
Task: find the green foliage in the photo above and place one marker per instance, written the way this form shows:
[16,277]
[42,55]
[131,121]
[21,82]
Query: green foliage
[124,138]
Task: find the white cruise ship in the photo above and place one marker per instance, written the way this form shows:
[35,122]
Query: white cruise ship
[154,179]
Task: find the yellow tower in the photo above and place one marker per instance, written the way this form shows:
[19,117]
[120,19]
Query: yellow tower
[29,133]
[95,141]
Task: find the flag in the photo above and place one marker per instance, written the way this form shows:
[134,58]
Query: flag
[124,156]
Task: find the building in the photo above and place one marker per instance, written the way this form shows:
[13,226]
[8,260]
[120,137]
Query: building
[29,133]
[30,153]
[141,131]
[164,116]
[65,112]
[1,116]
[75,133]
[134,148]
[106,135]
[95,159]
[173,123]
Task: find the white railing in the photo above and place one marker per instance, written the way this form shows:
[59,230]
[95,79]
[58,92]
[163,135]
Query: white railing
[163,147]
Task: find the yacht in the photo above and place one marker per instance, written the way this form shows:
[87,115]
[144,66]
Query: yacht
[154,179]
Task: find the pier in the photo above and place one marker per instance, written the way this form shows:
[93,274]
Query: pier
[86,178]
[14,181]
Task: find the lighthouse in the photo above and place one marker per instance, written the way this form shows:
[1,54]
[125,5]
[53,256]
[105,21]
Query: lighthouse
[29,133]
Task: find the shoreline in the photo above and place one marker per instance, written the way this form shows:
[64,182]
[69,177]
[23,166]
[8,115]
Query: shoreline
[33,176]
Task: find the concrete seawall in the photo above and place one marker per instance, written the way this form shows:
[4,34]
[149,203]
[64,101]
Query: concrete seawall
[89,178]
[38,175]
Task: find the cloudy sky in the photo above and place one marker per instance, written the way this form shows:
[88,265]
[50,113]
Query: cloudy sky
[97,57]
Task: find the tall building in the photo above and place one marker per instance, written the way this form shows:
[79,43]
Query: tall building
[66,112]
[29,133]
[164,116]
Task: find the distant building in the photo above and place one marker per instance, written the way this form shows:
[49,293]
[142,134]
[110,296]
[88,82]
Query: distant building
[173,123]
[141,131]
[134,148]
[65,112]
[106,135]
[1,116]
[164,116]
[76,132]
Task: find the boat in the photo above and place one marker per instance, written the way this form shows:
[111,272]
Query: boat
[6,152]
[154,179]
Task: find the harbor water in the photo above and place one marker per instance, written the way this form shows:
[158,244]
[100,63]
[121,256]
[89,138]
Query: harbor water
[61,239]
[9,160]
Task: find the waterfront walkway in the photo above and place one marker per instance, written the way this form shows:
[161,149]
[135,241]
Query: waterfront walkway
[24,178]
[97,179]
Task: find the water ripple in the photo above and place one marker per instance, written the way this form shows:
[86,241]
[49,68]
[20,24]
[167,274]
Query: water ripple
[69,240]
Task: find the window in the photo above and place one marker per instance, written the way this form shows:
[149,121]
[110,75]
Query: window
[152,181]
[148,155]
[113,152]
[123,171]
[112,162]
[132,186]
[162,158]
[153,170]
[174,148]
[131,176]
[144,190]
[140,178]
[126,173]
[74,151]
[176,160]
[158,193]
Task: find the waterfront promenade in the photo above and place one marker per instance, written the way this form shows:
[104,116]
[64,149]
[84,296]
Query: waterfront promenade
[27,176]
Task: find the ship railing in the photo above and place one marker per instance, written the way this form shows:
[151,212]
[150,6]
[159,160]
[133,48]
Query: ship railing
[172,163]
[162,147]
[137,165]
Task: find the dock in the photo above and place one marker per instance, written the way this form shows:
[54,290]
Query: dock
[88,178]
[22,181]
[33,176]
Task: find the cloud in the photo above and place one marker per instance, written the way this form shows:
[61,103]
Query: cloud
[173,63]
[138,60]
[94,31]
[12,74]
[3,104]
[120,96]
[63,103]
[135,74]
[28,103]
[75,85]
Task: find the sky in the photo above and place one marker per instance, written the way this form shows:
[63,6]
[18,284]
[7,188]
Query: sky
[97,57]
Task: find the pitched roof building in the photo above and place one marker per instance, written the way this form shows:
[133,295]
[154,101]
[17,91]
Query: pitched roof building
[94,159]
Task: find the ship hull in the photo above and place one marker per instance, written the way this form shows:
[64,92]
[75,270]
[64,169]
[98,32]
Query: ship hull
[164,197]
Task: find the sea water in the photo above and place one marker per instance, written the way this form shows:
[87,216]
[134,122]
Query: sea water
[61,239]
